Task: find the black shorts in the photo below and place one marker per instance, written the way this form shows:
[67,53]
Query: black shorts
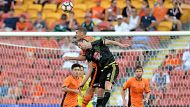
[96,73]
[109,74]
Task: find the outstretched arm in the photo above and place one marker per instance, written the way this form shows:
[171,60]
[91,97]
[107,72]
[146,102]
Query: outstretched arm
[79,58]
[110,42]
[87,75]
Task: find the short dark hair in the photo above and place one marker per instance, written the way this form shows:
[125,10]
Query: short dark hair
[82,29]
[75,65]
[139,67]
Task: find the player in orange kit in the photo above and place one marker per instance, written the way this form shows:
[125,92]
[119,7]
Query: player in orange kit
[137,86]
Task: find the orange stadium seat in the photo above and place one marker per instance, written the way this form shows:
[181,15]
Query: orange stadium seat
[25,101]
[19,9]
[137,3]
[51,18]
[34,8]
[168,4]
[121,4]
[164,26]
[48,8]
[29,2]
[105,4]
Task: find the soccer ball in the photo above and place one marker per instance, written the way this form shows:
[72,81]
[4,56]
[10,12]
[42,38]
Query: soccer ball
[67,6]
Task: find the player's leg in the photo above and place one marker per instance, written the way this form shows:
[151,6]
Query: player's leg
[92,85]
[113,71]
[100,93]
[87,96]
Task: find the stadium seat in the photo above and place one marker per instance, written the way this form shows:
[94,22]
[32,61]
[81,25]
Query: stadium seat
[164,26]
[34,8]
[105,4]
[19,9]
[121,4]
[185,16]
[49,8]
[25,101]
[51,18]
[8,101]
[137,4]
[28,2]
[168,4]
[33,16]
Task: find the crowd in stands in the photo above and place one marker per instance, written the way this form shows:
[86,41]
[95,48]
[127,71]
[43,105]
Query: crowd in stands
[97,18]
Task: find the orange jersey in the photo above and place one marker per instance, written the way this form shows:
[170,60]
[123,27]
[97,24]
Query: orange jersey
[71,97]
[159,13]
[136,90]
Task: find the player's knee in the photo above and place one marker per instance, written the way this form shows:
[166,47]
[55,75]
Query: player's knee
[108,85]
[100,92]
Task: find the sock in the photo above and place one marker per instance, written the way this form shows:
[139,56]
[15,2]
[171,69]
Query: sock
[99,101]
[86,100]
[107,95]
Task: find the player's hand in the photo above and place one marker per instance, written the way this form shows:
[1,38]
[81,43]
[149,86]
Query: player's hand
[124,103]
[145,100]
[81,85]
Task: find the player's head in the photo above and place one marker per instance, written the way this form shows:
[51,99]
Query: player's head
[80,33]
[76,68]
[139,72]
[84,45]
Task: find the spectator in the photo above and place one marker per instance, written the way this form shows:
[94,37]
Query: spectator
[148,21]
[4,88]
[16,92]
[161,80]
[37,90]
[159,12]
[172,61]
[134,20]
[186,60]
[8,5]
[40,24]
[10,22]
[144,6]
[121,25]
[88,23]
[126,12]
[63,26]
[1,19]
[73,24]
[98,12]
[1,5]
[22,25]
[174,15]
[113,11]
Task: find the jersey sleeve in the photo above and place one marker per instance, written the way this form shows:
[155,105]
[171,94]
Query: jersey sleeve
[99,42]
[127,84]
[147,86]
[67,81]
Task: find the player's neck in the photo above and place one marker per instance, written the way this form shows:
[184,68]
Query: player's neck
[138,79]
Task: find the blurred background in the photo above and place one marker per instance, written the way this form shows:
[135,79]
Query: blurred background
[32,66]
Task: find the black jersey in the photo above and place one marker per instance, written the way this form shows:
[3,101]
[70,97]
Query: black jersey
[100,54]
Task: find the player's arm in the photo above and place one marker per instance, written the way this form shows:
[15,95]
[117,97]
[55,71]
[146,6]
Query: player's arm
[147,90]
[66,89]
[79,58]
[125,86]
[87,75]
[110,42]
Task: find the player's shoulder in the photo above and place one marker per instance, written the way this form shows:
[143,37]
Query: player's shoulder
[89,38]
[145,80]
[131,79]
